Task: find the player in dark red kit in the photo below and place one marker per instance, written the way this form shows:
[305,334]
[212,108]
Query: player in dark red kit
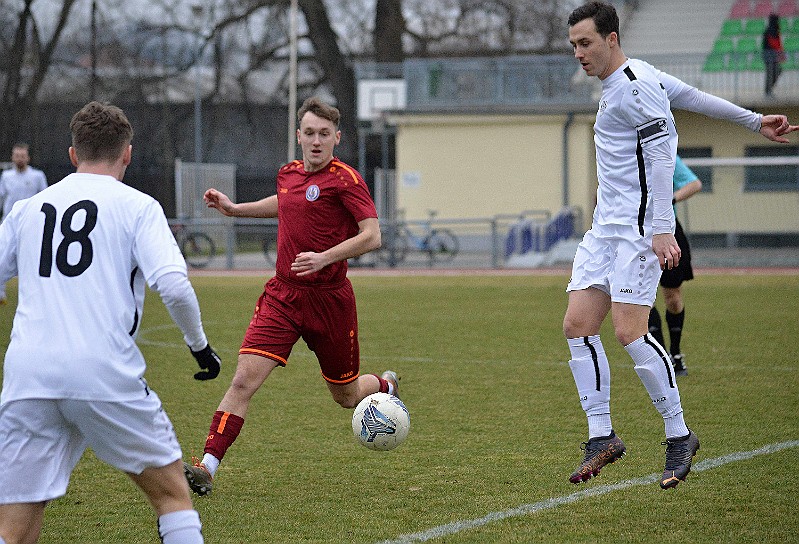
[325,216]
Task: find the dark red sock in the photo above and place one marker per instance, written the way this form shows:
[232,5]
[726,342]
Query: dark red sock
[225,427]
[383,384]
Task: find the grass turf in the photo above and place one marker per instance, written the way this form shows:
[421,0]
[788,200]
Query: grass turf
[495,423]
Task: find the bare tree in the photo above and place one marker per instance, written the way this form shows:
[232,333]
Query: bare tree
[389,30]
[240,51]
[26,63]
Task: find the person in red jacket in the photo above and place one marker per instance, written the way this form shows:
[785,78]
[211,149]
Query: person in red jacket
[325,216]
[773,53]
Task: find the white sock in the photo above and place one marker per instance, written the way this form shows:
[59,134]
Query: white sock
[181,527]
[591,371]
[653,366]
[2,541]
[390,387]
[211,463]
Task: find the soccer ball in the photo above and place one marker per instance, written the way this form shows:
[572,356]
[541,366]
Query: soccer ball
[381,422]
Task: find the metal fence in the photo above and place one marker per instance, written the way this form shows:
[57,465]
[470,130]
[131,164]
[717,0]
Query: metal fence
[535,80]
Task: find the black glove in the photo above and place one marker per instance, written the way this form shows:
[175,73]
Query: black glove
[209,361]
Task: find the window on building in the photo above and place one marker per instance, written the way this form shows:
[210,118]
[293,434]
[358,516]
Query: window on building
[704,173]
[783,177]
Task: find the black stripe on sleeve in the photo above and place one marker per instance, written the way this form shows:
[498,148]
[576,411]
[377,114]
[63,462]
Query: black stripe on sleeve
[136,312]
[639,154]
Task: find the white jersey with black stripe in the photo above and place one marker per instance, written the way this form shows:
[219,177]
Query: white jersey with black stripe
[636,145]
[83,249]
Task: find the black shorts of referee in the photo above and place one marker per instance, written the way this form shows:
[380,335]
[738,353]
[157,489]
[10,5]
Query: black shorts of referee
[683,272]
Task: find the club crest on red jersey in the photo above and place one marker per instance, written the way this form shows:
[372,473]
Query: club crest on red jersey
[312,193]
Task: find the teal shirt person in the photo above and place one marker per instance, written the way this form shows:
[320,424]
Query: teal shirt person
[682,177]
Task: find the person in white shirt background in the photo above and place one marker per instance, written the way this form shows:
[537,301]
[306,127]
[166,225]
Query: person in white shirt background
[17,183]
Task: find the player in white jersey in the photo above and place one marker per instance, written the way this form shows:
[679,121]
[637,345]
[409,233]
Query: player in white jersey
[18,183]
[618,264]
[73,376]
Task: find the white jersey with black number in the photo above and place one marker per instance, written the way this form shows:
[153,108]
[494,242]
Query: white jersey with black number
[636,145]
[83,249]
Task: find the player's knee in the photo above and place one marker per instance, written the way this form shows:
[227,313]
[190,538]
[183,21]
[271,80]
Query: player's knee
[243,385]
[627,336]
[346,400]
[571,327]
[673,300]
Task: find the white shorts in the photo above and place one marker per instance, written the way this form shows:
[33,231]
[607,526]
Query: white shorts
[619,261]
[41,441]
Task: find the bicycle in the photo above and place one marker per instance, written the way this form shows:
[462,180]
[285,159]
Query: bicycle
[440,244]
[197,247]
[269,246]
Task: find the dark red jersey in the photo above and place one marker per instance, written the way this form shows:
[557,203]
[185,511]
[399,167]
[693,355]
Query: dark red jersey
[316,211]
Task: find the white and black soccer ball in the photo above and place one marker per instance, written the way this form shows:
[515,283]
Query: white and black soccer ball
[381,422]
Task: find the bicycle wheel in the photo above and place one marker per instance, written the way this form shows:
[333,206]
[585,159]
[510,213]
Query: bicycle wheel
[198,249]
[393,254]
[270,250]
[442,245]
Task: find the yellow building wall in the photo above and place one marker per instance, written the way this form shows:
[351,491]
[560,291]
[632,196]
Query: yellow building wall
[479,166]
[728,208]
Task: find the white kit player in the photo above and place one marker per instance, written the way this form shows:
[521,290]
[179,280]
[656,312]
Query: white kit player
[618,264]
[73,375]
[18,183]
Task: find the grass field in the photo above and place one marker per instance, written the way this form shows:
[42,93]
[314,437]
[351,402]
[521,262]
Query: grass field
[495,424]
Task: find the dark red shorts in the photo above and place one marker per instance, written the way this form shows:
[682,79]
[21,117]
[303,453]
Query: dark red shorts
[323,316]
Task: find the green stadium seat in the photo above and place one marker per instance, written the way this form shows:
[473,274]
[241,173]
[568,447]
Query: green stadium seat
[732,27]
[756,63]
[792,27]
[755,27]
[715,63]
[746,46]
[723,46]
[791,45]
[738,63]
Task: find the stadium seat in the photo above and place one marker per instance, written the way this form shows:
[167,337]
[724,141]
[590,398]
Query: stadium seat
[723,46]
[791,45]
[738,63]
[732,28]
[740,10]
[762,8]
[787,8]
[756,63]
[792,63]
[715,63]
[755,27]
[747,46]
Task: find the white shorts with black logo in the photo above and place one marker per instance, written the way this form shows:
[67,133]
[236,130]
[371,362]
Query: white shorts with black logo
[619,261]
[41,441]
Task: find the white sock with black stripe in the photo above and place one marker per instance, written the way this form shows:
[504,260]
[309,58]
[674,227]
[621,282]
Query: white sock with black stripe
[591,371]
[653,366]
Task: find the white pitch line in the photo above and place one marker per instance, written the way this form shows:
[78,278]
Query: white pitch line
[548,504]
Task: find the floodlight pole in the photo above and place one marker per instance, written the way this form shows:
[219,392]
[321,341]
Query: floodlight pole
[198,10]
[292,113]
